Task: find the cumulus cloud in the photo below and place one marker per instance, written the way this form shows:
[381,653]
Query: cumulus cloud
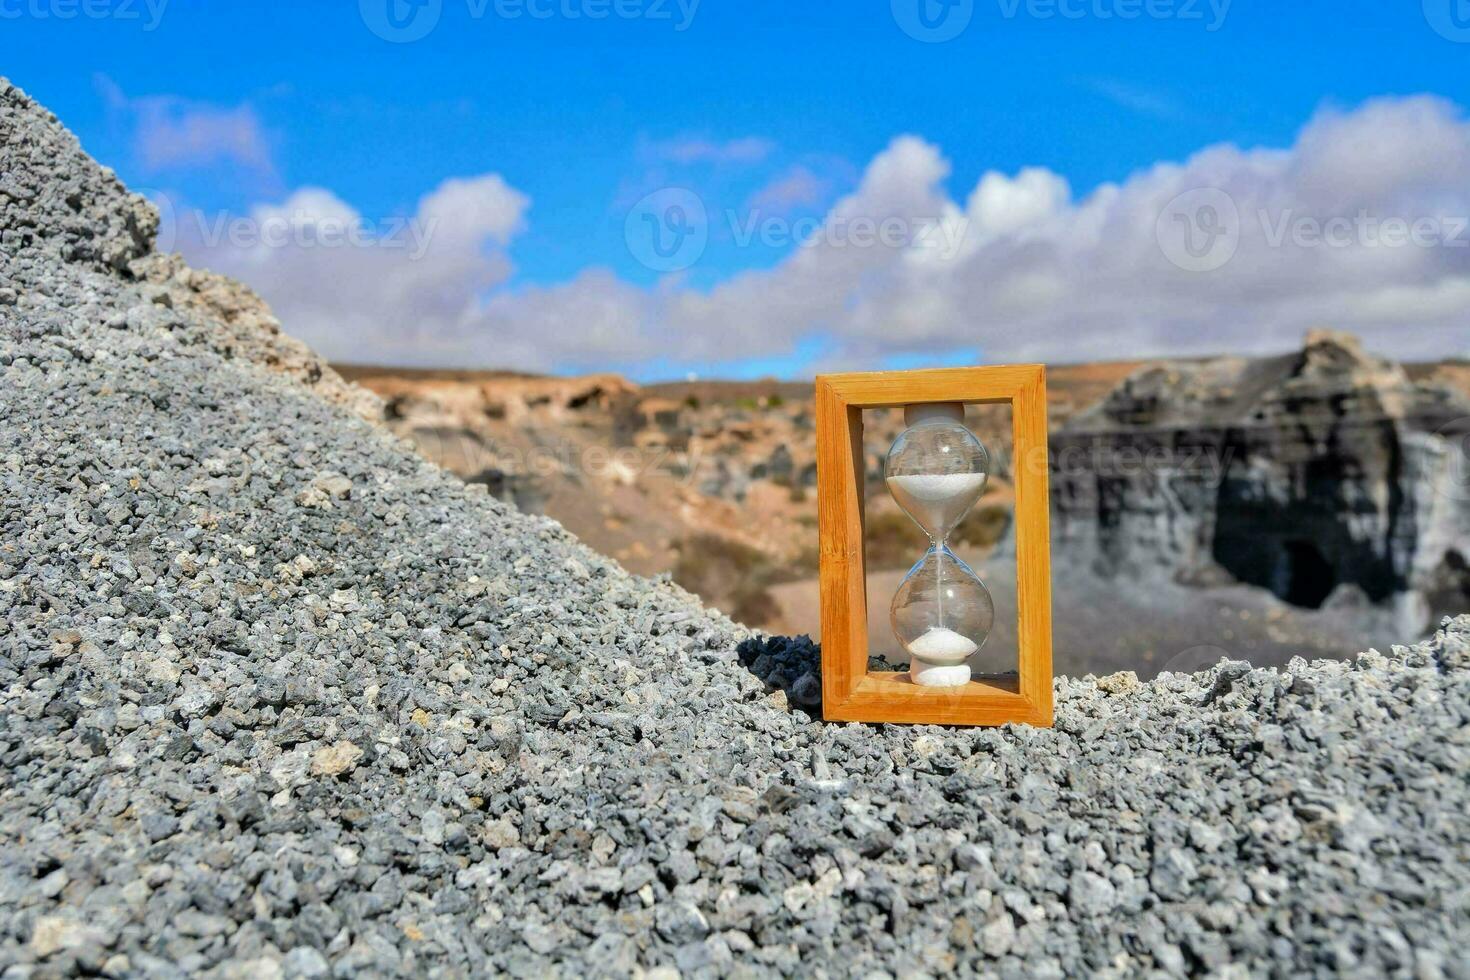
[1361,224]
[393,290]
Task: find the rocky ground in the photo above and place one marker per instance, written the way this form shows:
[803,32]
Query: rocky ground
[278,698]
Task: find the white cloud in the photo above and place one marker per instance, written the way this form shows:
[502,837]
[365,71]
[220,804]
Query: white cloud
[174,135]
[475,210]
[1017,267]
[307,207]
[171,132]
[395,290]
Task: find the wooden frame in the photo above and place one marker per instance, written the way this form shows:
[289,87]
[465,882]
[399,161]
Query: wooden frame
[849,691]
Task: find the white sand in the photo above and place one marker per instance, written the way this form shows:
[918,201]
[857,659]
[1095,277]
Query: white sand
[955,675]
[937,501]
[940,645]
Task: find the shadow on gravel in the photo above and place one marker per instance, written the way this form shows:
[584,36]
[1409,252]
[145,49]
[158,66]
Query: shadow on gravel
[793,664]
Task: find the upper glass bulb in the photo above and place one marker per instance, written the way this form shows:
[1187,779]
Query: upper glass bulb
[936,470]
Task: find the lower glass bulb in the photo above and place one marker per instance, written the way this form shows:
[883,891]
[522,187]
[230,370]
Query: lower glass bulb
[942,614]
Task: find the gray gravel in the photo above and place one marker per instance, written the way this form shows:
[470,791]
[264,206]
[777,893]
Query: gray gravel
[279,699]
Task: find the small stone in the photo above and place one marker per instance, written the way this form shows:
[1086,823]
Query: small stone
[807,690]
[501,833]
[305,963]
[1173,871]
[1092,894]
[997,935]
[927,745]
[158,826]
[334,760]
[53,884]
[326,487]
[540,938]
[432,827]
[54,933]
[1122,682]
[680,922]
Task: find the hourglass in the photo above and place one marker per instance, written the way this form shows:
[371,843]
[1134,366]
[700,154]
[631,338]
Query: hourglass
[942,612]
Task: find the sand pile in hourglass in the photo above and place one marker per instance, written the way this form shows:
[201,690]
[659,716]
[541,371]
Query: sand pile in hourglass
[942,612]
[945,498]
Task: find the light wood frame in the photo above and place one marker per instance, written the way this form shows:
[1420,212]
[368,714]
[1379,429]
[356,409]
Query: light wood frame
[849,691]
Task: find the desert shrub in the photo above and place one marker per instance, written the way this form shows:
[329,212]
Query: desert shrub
[983,526]
[895,541]
[730,575]
[806,563]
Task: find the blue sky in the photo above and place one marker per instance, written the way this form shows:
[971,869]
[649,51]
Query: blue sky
[760,108]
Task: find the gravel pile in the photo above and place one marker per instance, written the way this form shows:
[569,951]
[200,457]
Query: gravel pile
[279,699]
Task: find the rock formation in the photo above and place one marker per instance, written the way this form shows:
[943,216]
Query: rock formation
[1326,476]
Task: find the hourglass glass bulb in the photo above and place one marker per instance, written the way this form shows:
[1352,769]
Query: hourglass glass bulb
[941,614]
[936,469]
